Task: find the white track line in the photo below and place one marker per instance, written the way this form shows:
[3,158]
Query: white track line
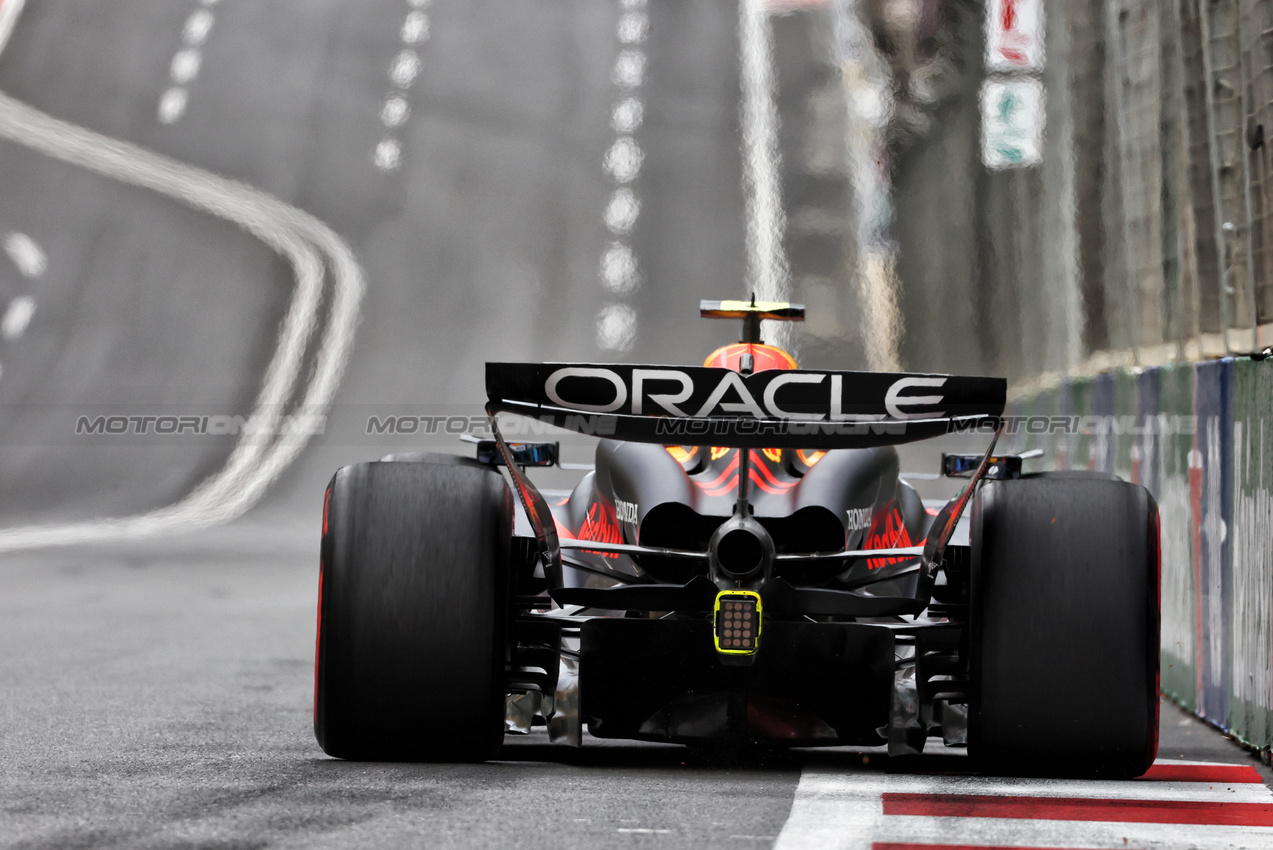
[767,270]
[257,459]
[844,809]
[9,11]
[1097,835]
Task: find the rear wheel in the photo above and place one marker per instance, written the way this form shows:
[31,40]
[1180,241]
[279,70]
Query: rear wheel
[1064,631]
[432,457]
[413,608]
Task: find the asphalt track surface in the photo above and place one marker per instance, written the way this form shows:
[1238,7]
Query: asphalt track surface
[160,697]
[155,690]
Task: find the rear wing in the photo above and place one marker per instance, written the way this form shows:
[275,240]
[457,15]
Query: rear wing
[689,405]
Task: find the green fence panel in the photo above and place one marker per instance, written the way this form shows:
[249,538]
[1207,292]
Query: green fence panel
[1143,426]
[1175,425]
[1082,443]
[1123,425]
[1028,426]
[1251,531]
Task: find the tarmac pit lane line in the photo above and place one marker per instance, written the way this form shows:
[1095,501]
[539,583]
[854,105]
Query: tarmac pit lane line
[866,811]
[309,246]
[643,831]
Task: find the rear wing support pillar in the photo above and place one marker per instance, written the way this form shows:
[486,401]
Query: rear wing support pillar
[537,511]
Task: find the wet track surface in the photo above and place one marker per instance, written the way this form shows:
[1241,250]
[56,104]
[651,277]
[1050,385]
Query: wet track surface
[156,693]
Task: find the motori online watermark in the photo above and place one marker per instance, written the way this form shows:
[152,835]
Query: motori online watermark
[480,425]
[219,425]
[1159,425]
[364,424]
[602,425]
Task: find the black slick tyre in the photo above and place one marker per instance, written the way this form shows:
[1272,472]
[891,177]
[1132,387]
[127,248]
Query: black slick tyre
[1064,636]
[432,457]
[413,610]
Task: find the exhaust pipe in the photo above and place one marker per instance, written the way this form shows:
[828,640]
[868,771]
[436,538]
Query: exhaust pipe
[740,549]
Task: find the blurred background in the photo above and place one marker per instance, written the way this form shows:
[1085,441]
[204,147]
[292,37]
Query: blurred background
[983,186]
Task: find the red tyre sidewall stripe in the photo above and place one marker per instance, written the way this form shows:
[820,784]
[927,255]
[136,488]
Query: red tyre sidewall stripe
[318,641]
[1156,709]
[318,630]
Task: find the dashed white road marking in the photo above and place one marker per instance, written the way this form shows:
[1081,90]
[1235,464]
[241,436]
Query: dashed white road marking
[172,105]
[405,68]
[185,64]
[388,155]
[620,272]
[622,211]
[415,28]
[197,27]
[616,327]
[633,27]
[619,269]
[629,69]
[403,71]
[627,115]
[308,245]
[623,160]
[17,317]
[26,254]
[22,249]
[395,112]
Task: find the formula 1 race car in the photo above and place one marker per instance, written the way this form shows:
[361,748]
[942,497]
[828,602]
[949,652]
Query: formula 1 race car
[743,565]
